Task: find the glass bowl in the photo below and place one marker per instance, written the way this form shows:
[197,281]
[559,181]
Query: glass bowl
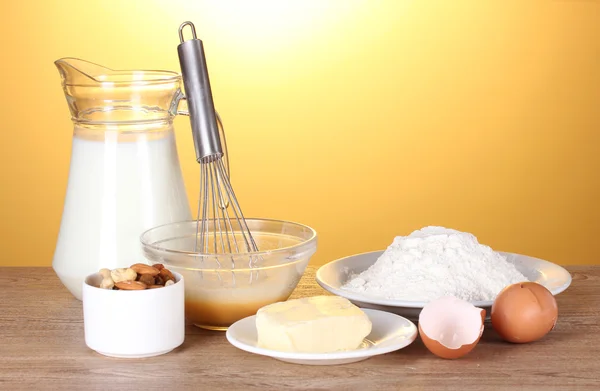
[222,288]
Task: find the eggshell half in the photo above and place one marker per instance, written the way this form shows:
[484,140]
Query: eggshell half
[450,328]
[524,312]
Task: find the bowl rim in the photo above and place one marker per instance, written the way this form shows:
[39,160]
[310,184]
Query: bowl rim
[178,277]
[313,237]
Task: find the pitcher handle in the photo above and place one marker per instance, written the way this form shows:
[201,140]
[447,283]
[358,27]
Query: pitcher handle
[179,107]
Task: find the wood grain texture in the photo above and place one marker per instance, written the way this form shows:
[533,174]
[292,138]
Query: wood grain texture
[42,347]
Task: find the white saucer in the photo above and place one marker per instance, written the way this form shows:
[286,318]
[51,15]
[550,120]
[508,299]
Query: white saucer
[390,332]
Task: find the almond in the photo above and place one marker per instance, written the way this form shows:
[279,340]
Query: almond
[158,266]
[146,279]
[131,285]
[167,275]
[160,280]
[140,268]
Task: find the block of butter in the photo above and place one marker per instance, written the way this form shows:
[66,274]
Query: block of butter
[320,324]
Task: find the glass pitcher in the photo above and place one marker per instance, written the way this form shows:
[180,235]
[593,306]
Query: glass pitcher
[124,175]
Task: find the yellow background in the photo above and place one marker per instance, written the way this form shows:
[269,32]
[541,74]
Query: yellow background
[362,119]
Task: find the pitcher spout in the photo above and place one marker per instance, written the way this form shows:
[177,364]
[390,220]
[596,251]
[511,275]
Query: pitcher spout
[100,95]
[74,71]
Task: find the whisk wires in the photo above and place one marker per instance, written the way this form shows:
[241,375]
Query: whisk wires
[221,228]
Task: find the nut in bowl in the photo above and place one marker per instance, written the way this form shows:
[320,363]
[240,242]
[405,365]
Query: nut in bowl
[222,288]
[137,277]
[132,322]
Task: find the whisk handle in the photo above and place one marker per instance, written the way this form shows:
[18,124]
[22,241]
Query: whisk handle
[201,107]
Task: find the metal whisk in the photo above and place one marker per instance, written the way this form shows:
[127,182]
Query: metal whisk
[217,230]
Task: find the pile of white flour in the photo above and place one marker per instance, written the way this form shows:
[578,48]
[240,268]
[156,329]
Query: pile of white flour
[434,262]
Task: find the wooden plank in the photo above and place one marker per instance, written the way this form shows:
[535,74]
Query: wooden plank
[42,347]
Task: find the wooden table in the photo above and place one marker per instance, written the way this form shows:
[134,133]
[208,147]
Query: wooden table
[42,347]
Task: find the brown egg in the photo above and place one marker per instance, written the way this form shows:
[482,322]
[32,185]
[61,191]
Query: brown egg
[524,312]
[450,327]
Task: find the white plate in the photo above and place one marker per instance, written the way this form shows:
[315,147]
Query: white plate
[390,332]
[334,274]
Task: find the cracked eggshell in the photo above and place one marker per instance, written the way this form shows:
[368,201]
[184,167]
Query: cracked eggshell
[450,328]
[524,312]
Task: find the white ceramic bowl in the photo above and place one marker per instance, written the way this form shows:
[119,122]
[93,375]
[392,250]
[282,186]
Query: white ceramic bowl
[133,324]
[334,275]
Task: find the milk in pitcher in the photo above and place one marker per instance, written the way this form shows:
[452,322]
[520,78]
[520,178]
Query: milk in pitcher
[120,184]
